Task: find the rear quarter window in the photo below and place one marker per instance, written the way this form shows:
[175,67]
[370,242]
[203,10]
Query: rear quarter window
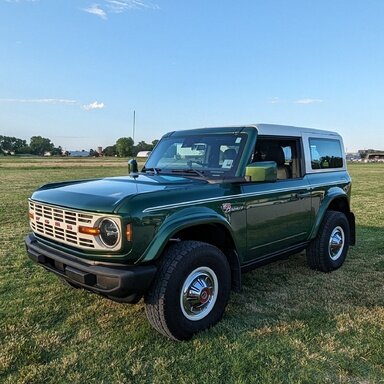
[325,153]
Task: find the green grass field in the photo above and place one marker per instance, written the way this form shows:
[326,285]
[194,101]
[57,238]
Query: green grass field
[289,324]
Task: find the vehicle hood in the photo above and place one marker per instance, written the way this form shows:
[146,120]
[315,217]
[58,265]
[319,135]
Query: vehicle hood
[104,195]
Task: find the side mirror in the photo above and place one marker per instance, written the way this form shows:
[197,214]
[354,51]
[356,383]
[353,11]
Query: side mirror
[132,166]
[261,171]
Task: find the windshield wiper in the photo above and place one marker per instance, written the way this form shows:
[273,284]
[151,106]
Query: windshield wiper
[156,171]
[189,170]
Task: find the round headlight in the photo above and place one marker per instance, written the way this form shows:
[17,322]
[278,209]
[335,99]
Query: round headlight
[109,232]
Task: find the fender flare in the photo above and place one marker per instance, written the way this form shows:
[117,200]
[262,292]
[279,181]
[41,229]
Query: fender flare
[331,195]
[182,219]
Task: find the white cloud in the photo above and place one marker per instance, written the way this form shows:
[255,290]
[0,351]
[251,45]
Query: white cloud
[21,1]
[86,107]
[274,100]
[304,101]
[118,6]
[40,101]
[95,9]
[308,101]
[94,105]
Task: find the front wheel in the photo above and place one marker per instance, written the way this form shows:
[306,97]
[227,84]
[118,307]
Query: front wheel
[191,290]
[329,249]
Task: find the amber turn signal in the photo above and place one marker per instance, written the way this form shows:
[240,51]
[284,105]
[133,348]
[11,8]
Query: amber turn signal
[128,232]
[89,230]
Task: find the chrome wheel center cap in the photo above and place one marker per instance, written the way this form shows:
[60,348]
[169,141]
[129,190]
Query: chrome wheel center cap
[336,243]
[205,295]
[199,293]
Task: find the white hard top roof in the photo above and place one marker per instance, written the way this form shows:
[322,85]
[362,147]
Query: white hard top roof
[288,130]
[263,129]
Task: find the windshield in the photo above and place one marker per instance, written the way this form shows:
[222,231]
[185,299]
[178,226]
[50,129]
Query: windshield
[208,155]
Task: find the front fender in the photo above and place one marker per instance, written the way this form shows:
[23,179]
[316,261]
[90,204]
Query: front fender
[188,217]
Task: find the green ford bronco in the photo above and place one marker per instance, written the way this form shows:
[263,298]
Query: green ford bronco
[208,205]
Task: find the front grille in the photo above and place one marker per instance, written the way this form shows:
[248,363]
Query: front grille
[62,225]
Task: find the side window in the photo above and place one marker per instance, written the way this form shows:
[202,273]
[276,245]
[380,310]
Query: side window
[284,152]
[325,153]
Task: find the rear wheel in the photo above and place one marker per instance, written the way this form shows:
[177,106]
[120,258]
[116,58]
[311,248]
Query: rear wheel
[329,249]
[191,290]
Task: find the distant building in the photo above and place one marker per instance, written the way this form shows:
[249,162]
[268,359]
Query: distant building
[353,157]
[99,150]
[78,153]
[143,154]
[371,155]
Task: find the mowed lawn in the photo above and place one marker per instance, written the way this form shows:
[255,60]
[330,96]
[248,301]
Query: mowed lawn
[289,324]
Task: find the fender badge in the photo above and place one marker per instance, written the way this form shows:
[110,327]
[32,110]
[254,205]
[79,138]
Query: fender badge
[226,208]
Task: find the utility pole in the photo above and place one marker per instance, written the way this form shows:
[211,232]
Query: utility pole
[134,126]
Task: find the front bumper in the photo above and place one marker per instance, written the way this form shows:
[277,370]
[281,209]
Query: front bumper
[121,283]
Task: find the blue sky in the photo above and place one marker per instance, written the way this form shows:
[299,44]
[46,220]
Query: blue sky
[75,71]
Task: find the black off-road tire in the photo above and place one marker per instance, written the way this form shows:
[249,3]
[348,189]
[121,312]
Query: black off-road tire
[328,250]
[188,264]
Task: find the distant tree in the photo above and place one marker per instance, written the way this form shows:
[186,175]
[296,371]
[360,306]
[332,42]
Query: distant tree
[57,151]
[110,151]
[142,146]
[13,144]
[124,146]
[154,143]
[93,153]
[24,149]
[6,143]
[39,145]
